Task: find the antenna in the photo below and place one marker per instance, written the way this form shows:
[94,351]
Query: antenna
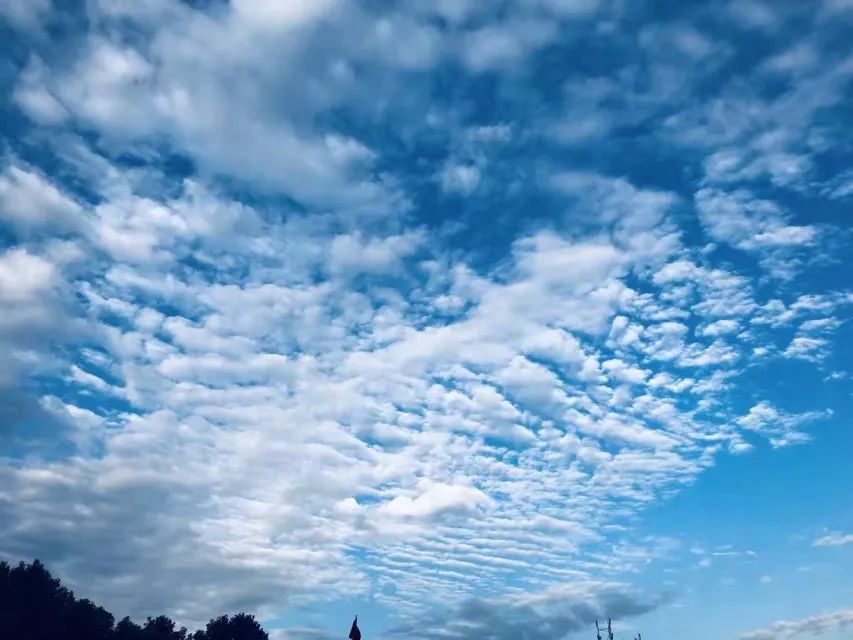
[609,630]
[597,630]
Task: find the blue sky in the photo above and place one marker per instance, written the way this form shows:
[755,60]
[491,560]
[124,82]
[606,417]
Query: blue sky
[480,319]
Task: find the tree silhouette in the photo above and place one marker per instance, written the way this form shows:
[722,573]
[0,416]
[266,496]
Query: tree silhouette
[127,629]
[35,606]
[86,621]
[239,627]
[162,628]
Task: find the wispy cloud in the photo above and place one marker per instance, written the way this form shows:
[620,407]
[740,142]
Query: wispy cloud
[814,625]
[833,539]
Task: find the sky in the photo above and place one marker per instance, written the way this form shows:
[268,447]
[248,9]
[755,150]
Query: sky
[480,319]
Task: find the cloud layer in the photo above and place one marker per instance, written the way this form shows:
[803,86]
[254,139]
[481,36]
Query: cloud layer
[307,300]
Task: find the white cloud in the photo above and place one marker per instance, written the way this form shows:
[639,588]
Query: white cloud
[806,348]
[178,87]
[352,255]
[277,15]
[606,199]
[456,178]
[622,372]
[24,276]
[490,133]
[799,58]
[502,45]
[748,222]
[784,236]
[343,418]
[313,377]
[720,328]
[814,625]
[572,8]
[437,499]
[834,539]
[754,14]
[30,202]
[548,613]
[781,428]
[27,15]
[837,6]
[33,97]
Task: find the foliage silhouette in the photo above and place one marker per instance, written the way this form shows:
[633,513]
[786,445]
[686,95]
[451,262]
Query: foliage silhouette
[127,629]
[162,628]
[35,606]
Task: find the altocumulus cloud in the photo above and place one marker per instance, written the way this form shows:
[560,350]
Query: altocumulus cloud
[291,313]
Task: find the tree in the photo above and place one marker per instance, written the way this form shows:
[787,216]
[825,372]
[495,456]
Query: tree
[162,628]
[86,621]
[35,606]
[241,626]
[127,629]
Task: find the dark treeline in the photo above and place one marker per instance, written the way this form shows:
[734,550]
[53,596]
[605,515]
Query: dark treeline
[35,606]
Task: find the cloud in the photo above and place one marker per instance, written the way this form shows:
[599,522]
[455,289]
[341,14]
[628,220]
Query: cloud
[274,416]
[459,178]
[503,45]
[351,255]
[814,625]
[276,16]
[24,276]
[834,539]
[550,614]
[34,98]
[301,633]
[781,428]
[245,335]
[754,14]
[437,499]
[139,93]
[720,328]
[806,348]
[273,424]
[25,15]
[29,202]
[747,222]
